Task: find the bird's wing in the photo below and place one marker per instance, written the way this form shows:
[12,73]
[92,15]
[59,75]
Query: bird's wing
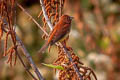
[60,34]
[52,35]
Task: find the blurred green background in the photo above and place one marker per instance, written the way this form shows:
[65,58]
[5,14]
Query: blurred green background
[95,38]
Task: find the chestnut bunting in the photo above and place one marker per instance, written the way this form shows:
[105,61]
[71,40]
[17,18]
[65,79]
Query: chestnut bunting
[60,31]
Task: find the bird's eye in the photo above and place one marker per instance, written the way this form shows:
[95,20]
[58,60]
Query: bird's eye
[68,18]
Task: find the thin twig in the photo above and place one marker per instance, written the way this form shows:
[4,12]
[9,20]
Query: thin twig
[26,53]
[24,65]
[70,58]
[31,18]
[45,15]
[64,47]
[60,8]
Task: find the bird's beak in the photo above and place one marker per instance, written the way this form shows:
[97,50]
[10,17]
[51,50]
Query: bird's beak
[71,18]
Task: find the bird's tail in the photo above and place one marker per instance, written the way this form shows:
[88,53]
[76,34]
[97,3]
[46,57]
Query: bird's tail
[43,48]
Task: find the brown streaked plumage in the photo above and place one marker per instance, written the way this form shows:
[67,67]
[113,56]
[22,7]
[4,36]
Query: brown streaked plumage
[60,31]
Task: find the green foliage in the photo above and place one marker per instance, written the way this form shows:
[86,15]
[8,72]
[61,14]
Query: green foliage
[53,66]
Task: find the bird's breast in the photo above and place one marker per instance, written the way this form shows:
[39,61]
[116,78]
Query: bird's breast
[64,37]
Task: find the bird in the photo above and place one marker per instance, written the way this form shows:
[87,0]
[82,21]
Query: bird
[59,33]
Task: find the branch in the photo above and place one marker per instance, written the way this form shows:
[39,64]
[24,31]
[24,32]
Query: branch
[24,65]
[60,8]
[31,18]
[64,47]
[26,53]
[70,59]
[45,15]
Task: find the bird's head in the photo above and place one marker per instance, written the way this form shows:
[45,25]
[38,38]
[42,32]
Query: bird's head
[66,19]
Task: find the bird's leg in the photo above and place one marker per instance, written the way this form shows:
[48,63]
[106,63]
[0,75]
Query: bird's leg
[64,41]
[49,48]
[65,44]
